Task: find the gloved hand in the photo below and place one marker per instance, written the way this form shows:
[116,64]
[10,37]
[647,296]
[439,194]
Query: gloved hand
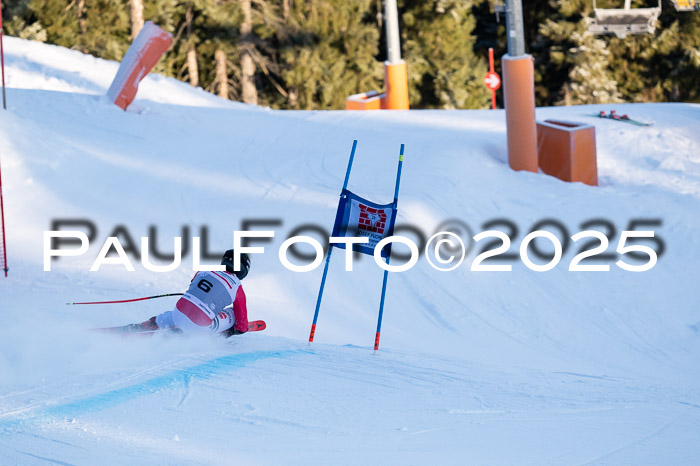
[230,332]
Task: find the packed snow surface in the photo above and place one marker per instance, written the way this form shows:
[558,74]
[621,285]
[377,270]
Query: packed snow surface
[517,367]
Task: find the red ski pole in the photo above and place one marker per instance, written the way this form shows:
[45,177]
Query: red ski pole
[128,300]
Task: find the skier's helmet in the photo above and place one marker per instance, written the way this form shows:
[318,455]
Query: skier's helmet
[227,260]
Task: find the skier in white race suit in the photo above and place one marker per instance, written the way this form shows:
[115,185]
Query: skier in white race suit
[214,303]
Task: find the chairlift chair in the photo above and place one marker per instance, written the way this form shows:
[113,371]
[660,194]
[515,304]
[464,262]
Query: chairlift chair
[687,5]
[623,21]
[499,8]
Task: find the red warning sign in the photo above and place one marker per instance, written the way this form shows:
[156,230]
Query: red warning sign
[492,81]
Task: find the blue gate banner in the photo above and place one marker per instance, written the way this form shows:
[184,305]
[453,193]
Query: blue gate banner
[359,217]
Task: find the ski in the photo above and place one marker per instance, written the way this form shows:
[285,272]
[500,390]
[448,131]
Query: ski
[253,326]
[256,325]
[613,115]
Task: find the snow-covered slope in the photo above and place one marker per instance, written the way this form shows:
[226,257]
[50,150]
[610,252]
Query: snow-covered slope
[476,367]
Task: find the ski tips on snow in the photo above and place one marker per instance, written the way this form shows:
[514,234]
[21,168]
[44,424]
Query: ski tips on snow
[613,115]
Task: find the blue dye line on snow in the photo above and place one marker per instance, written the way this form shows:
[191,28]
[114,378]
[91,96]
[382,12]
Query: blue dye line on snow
[173,379]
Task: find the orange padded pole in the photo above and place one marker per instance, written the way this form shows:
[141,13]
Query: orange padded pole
[396,83]
[519,96]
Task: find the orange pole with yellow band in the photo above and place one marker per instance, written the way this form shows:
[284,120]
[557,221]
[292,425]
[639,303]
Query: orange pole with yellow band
[396,82]
[395,95]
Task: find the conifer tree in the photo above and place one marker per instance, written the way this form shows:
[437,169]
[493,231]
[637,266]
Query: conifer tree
[136,11]
[328,51]
[249,90]
[663,67]
[444,71]
[100,27]
[312,54]
[588,58]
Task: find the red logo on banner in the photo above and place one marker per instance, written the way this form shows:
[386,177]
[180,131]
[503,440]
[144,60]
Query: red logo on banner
[372,219]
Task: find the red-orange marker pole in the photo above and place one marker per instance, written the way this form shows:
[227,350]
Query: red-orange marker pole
[2,61]
[492,80]
[491,69]
[2,230]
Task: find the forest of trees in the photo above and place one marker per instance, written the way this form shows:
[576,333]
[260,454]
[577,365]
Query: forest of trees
[311,54]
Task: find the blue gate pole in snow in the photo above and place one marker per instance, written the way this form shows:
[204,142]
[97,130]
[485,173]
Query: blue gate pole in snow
[330,249]
[386,272]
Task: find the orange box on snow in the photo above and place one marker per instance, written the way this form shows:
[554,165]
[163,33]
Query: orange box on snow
[567,150]
[371,100]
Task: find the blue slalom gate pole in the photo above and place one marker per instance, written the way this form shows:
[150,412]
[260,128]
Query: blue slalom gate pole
[320,295]
[330,250]
[352,157]
[381,309]
[386,272]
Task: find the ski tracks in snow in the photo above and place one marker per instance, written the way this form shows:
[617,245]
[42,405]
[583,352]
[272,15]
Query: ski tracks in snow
[297,395]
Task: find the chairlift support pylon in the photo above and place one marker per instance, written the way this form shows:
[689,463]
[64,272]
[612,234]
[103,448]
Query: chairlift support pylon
[623,21]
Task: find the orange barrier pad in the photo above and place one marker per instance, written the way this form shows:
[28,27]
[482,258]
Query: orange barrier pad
[143,54]
[567,150]
[519,97]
